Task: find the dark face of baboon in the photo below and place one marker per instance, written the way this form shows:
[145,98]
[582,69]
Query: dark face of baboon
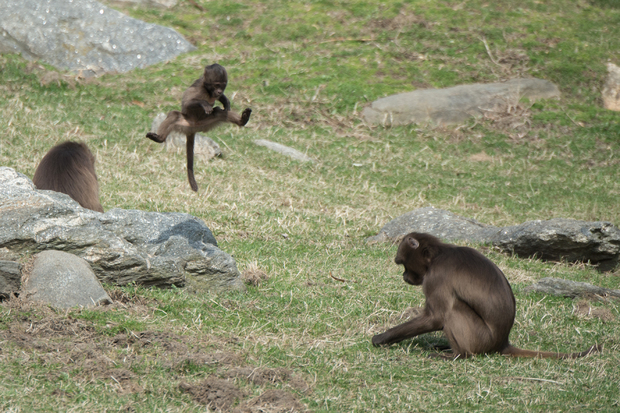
[416,256]
[215,80]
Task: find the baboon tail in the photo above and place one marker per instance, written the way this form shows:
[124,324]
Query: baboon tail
[518,352]
[189,147]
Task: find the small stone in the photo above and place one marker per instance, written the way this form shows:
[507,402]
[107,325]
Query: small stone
[63,280]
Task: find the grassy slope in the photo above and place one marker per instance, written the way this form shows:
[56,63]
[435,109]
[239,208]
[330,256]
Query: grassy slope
[307,69]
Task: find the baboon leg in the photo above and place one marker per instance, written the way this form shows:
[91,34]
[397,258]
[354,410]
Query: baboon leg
[233,117]
[167,126]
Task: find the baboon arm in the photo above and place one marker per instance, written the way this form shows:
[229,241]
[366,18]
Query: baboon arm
[225,102]
[424,323]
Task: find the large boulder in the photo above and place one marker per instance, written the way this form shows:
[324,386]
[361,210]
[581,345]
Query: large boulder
[555,239]
[454,104]
[84,36]
[121,246]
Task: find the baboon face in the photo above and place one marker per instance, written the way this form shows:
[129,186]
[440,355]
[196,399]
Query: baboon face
[414,258]
[215,80]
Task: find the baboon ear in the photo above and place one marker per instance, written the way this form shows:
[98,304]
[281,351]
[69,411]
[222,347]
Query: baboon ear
[413,243]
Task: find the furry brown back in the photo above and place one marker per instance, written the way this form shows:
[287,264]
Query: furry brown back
[69,168]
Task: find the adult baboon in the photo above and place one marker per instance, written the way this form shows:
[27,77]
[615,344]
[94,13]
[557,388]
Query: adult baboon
[467,296]
[70,168]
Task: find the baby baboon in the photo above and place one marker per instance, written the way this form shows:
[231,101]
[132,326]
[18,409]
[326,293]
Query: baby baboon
[70,168]
[198,113]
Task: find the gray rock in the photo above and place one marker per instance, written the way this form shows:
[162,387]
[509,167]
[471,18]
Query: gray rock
[84,36]
[437,222]
[563,239]
[572,289]
[284,150]
[8,255]
[10,278]
[455,104]
[121,246]
[555,239]
[63,280]
[611,90]
[205,148]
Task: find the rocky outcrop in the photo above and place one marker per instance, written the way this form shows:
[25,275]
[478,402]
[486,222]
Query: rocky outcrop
[121,246]
[84,36]
[555,239]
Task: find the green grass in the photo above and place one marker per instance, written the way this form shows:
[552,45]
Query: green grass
[307,69]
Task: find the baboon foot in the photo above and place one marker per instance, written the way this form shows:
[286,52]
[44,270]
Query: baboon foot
[245,116]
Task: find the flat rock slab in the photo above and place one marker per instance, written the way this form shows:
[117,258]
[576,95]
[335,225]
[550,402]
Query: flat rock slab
[284,150]
[63,280]
[121,246]
[84,36]
[455,104]
[567,288]
[555,239]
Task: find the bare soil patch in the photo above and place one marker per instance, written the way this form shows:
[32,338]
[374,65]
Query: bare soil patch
[214,393]
[86,352]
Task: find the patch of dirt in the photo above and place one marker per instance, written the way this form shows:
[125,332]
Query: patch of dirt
[513,119]
[272,401]
[584,309]
[224,359]
[70,345]
[261,376]
[481,157]
[214,393]
[169,342]
[124,380]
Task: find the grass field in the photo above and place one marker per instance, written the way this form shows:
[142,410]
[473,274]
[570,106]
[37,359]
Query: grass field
[307,69]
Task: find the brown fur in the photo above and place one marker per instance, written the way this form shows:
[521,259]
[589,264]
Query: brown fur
[467,296]
[70,168]
[198,113]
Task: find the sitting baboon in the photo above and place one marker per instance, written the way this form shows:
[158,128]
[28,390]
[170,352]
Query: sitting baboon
[467,296]
[70,168]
